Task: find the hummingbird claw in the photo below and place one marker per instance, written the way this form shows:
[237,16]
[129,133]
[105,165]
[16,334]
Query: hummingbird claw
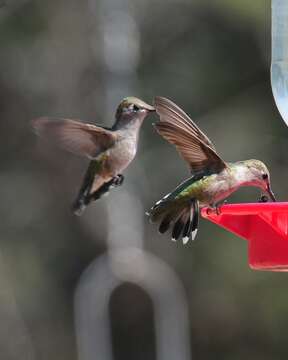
[218,207]
[263,198]
[118,180]
[214,209]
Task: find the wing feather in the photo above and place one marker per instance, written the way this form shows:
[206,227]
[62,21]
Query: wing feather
[192,144]
[74,136]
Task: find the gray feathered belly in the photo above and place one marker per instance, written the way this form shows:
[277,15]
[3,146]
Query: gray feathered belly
[121,155]
[215,195]
[218,189]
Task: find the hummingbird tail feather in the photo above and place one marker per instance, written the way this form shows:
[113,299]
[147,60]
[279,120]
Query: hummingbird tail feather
[102,190]
[191,226]
[179,224]
[90,180]
[183,217]
[89,191]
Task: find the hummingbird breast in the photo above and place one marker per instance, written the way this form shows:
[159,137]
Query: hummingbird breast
[121,155]
[212,188]
[218,187]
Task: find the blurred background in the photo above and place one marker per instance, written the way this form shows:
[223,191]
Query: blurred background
[78,59]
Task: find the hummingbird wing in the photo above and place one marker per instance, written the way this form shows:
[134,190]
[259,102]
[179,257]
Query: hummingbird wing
[192,144]
[74,136]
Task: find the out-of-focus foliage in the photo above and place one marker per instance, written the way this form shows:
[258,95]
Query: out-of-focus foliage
[210,57]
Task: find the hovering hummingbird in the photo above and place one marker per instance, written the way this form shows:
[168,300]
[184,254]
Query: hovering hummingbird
[110,149]
[212,179]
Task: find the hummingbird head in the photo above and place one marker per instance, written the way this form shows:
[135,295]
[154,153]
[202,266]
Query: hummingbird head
[260,176]
[132,109]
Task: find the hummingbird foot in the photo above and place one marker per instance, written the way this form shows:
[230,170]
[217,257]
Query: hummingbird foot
[216,207]
[263,198]
[118,180]
[104,189]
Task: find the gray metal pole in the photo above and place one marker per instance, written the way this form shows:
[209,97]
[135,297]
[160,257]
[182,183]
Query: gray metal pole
[126,261]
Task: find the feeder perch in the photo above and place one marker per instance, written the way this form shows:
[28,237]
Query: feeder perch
[264,225]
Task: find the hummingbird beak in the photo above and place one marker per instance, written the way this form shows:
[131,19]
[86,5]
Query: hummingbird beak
[270,192]
[150,109]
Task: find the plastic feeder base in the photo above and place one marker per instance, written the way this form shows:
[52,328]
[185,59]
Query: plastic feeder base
[264,225]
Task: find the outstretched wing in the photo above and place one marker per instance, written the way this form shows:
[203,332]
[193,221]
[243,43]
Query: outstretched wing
[192,144]
[74,136]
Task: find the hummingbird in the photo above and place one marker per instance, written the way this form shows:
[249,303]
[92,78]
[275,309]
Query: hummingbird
[110,150]
[212,180]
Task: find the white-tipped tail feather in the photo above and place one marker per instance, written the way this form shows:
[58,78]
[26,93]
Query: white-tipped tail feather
[194,233]
[185,240]
[182,217]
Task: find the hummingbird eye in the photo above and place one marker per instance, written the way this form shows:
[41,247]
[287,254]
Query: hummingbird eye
[265,176]
[133,108]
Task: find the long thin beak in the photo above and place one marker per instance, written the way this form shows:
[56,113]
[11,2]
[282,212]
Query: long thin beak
[148,110]
[151,109]
[270,193]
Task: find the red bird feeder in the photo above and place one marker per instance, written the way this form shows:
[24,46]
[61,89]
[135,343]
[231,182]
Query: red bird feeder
[264,225]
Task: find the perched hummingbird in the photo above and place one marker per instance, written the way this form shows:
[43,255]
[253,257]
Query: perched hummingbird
[110,149]
[212,179]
